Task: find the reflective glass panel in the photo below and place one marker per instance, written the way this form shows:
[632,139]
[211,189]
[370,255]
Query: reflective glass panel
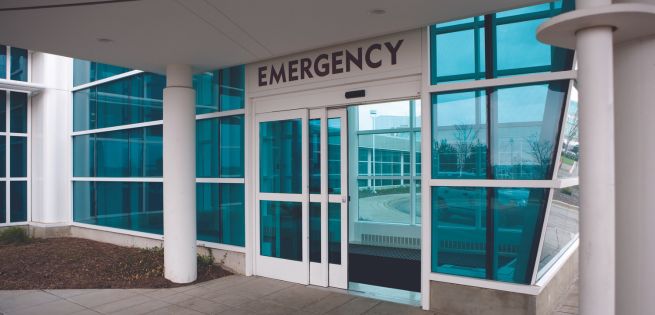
[518,217]
[124,153]
[334,155]
[518,47]
[280,153]
[315,156]
[206,86]
[315,232]
[3,62]
[525,126]
[459,228]
[459,135]
[3,109]
[334,233]
[220,213]
[207,147]
[18,64]
[281,229]
[85,71]
[458,55]
[231,147]
[391,115]
[526,10]
[569,159]
[562,226]
[18,158]
[124,205]
[18,112]
[3,202]
[3,156]
[232,88]
[18,201]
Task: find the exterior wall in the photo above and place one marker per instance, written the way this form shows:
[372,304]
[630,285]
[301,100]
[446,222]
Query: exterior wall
[459,299]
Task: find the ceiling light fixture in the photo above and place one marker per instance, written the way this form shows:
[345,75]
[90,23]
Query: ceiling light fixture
[377,11]
[105,40]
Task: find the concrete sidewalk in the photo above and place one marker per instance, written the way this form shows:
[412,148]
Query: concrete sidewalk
[229,295]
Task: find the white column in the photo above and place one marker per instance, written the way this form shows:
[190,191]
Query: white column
[180,264]
[635,175]
[50,139]
[596,111]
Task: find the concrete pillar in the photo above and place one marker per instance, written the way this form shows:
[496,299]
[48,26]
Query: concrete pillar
[634,63]
[180,265]
[50,124]
[596,125]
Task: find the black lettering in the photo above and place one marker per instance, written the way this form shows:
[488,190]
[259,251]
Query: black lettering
[336,61]
[262,76]
[394,50]
[278,76]
[370,62]
[323,69]
[357,60]
[305,68]
[293,69]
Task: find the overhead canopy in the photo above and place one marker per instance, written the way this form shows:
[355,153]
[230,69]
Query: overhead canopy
[210,34]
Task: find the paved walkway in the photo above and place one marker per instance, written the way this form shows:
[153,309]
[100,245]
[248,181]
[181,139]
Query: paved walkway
[229,295]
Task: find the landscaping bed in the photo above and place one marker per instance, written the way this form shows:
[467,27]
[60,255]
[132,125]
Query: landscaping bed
[74,263]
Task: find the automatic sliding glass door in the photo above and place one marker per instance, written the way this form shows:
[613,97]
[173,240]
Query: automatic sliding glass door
[384,219]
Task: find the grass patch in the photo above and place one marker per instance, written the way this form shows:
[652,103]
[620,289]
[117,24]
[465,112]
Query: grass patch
[14,236]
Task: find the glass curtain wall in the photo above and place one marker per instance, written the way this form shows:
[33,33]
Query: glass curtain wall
[14,157]
[117,171]
[501,133]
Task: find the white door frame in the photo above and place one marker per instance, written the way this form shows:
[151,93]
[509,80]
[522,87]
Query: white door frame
[324,273]
[278,268]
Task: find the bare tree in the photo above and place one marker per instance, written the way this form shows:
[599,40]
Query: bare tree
[572,132]
[541,152]
[465,136]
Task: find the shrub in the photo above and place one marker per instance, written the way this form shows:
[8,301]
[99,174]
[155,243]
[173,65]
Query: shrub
[14,235]
[205,260]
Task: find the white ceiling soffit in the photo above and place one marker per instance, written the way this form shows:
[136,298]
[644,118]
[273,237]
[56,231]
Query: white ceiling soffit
[211,34]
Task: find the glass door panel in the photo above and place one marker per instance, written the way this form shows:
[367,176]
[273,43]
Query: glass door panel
[328,202]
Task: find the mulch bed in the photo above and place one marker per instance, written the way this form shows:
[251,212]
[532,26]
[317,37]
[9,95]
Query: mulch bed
[73,263]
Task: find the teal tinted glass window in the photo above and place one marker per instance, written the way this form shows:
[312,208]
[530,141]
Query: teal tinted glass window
[496,45]
[206,86]
[85,71]
[281,229]
[315,156]
[525,128]
[18,112]
[123,205]
[124,153]
[3,62]
[334,155]
[18,62]
[232,88]
[220,213]
[459,231]
[207,147]
[3,156]
[458,51]
[18,201]
[220,147]
[130,100]
[334,233]
[3,110]
[459,135]
[489,233]
[315,232]
[3,202]
[518,217]
[18,157]
[280,150]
